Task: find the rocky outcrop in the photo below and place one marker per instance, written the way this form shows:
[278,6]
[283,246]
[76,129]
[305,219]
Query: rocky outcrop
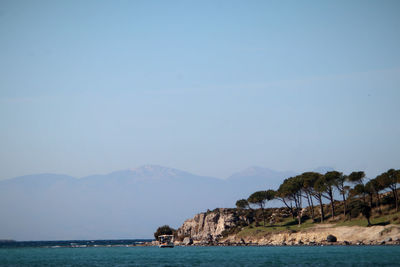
[223,227]
[210,226]
[187,241]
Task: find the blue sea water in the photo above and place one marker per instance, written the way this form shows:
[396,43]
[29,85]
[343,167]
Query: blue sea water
[203,256]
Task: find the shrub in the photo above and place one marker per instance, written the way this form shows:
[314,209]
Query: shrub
[366,212]
[164,230]
[355,208]
[242,223]
[242,204]
[231,231]
[387,199]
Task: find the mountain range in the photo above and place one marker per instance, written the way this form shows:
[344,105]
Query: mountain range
[122,204]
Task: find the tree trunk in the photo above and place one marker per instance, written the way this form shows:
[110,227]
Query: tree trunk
[344,205]
[292,210]
[322,209]
[396,198]
[289,207]
[312,209]
[370,200]
[310,204]
[299,218]
[332,204]
[378,198]
[297,204]
[262,210]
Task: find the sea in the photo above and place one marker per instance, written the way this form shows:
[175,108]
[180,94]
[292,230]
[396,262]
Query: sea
[112,253]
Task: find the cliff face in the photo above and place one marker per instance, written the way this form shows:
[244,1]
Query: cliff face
[209,226]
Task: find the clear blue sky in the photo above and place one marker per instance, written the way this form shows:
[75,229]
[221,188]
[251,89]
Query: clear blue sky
[210,87]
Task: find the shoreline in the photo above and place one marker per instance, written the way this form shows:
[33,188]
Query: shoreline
[390,243]
[151,244]
[221,227]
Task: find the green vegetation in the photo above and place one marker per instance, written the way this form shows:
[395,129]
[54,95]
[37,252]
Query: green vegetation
[288,224]
[291,225]
[366,212]
[379,219]
[260,198]
[164,230]
[242,204]
[363,203]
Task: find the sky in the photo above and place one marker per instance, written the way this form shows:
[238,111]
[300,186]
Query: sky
[210,87]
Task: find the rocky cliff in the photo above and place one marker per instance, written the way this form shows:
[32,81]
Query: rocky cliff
[212,225]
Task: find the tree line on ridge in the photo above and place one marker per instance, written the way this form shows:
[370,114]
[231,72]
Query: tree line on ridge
[314,187]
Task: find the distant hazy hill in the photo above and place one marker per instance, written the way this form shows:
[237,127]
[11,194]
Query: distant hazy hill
[122,204]
[255,178]
[252,179]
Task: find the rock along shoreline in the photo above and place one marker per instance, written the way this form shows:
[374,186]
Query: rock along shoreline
[311,244]
[212,229]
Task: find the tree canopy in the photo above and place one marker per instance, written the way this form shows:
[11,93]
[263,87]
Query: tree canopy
[260,197]
[311,185]
[242,204]
[163,230]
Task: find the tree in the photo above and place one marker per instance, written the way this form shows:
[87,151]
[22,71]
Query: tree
[359,190]
[242,204]
[376,187]
[340,184]
[271,194]
[372,187]
[296,187]
[390,179]
[259,198]
[330,179]
[366,212]
[319,188]
[369,190]
[164,230]
[357,178]
[309,179]
[283,195]
[290,191]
